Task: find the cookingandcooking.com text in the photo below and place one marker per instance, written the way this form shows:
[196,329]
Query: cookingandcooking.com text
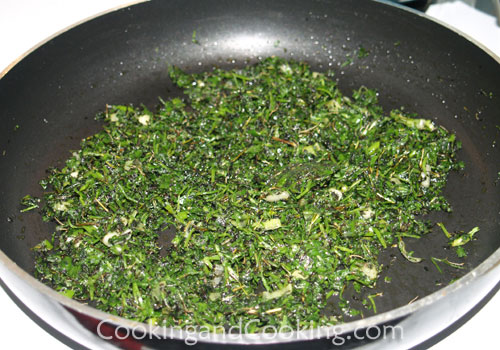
[191,335]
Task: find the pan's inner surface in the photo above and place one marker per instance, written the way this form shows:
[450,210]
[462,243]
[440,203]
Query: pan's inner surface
[48,101]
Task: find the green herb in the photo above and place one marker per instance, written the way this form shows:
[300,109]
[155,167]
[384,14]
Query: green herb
[460,241]
[362,52]
[445,231]
[408,255]
[30,203]
[193,38]
[371,297]
[461,253]
[259,196]
[447,262]
[465,238]
[347,62]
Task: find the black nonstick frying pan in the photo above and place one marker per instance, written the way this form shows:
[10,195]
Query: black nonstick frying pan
[53,94]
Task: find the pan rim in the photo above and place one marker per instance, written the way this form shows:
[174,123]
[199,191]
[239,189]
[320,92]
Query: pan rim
[41,43]
[486,267]
[135,2]
[443,24]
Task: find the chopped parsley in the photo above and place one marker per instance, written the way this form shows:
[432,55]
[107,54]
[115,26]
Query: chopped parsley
[257,197]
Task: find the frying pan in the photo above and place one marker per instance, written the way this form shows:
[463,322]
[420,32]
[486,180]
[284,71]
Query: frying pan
[53,94]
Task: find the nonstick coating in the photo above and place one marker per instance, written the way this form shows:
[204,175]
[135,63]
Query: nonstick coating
[49,99]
